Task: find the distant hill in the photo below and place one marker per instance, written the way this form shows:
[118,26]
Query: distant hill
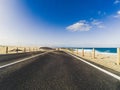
[46,48]
[15,50]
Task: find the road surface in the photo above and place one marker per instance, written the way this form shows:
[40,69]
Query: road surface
[55,71]
[8,58]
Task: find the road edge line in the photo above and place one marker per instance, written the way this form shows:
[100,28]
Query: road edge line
[97,67]
[22,60]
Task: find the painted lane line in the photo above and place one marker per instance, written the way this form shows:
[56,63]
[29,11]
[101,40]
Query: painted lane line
[22,60]
[103,70]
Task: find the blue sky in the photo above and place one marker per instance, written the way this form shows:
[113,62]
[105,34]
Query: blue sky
[75,23]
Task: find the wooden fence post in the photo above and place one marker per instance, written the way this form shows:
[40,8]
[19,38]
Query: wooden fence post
[29,50]
[83,52]
[72,50]
[24,50]
[93,53]
[118,56]
[77,50]
[6,50]
[17,50]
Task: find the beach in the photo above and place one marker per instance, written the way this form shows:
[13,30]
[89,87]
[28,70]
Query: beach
[108,60]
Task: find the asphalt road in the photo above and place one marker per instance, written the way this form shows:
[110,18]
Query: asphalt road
[55,71]
[8,58]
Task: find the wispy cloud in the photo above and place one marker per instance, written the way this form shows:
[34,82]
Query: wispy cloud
[117,15]
[97,23]
[116,1]
[84,25]
[101,13]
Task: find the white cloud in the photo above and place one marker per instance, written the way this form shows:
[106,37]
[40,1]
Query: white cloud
[118,12]
[117,15]
[97,24]
[116,1]
[84,25]
[80,26]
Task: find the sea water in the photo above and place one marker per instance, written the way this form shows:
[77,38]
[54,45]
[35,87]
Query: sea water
[100,50]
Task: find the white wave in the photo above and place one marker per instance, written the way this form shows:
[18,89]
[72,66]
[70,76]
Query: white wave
[90,50]
[106,53]
[86,50]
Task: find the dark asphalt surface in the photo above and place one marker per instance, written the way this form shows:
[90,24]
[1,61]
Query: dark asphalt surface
[8,58]
[55,71]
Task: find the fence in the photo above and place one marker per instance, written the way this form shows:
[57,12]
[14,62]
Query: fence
[15,49]
[93,54]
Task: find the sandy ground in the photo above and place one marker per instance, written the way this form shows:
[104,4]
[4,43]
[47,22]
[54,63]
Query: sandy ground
[107,60]
[12,48]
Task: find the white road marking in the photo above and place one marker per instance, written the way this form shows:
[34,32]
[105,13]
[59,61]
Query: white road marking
[103,70]
[22,60]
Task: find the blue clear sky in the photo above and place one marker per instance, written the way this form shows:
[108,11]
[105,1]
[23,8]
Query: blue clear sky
[60,22]
[65,12]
